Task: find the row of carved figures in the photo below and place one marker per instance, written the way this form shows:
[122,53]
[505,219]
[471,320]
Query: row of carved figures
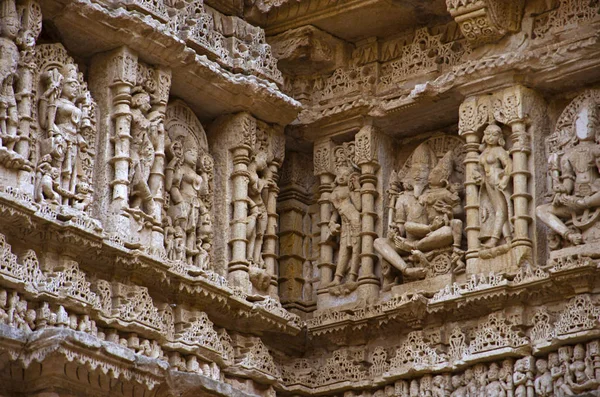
[157,162]
[482,177]
[572,370]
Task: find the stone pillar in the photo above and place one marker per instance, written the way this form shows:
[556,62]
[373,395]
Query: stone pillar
[511,107]
[293,207]
[156,181]
[25,103]
[366,158]
[323,168]
[277,141]
[122,77]
[474,115]
[232,139]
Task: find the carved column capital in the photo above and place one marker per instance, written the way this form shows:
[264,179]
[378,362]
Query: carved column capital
[486,21]
[366,145]
[123,67]
[474,113]
[323,157]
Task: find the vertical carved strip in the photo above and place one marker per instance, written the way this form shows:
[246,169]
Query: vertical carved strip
[270,238]
[323,152]
[238,264]
[472,116]
[123,77]
[366,157]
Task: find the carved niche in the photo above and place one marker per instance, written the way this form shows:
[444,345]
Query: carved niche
[21,25]
[424,237]
[63,142]
[134,98]
[188,202]
[573,179]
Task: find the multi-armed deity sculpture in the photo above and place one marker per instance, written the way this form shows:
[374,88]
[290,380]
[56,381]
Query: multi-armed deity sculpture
[573,174]
[425,230]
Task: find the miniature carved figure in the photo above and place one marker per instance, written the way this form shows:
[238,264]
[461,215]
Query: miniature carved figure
[579,376]
[257,209]
[458,384]
[575,179]
[9,28]
[345,199]
[144,132]
[495,204]
[494,387]
[48,179]
[506,377]
[3,307]
[543,380]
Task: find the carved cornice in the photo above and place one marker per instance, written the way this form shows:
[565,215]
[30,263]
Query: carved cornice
[486,21]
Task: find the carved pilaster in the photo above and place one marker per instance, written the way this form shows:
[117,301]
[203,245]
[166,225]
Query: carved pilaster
[511,107]
[270,239]
[486,21]
[238,263]
[366,158]
[474,114]
[498,192]
[122,78]
[323,168]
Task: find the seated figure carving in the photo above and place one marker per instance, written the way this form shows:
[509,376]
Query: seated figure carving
[423,222]
[574,181]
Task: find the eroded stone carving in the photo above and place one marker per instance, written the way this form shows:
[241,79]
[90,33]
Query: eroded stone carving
[572,174]
[425,234]
[188,187]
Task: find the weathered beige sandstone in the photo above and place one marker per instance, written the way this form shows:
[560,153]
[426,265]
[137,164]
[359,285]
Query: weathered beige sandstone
[299,198]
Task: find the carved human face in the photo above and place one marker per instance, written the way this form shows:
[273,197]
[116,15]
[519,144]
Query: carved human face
[492,135]
[579,352]
[70,88]
[553,360]
[10,27]
[190,157]
[177,149]
[586,124]
[419,174]
[343,176]
[468,374]
[493,372]
[261,160]
[541,366]
[457,381]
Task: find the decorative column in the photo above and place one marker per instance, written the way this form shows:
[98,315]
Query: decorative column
[31,26]
[238,266]
[122,78]
[277,141]
[323,168]
[156,181]
[511,107]
[474,114]
[293,208]
[366,158]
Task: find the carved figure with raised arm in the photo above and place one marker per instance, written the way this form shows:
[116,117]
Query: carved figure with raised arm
[495,203]
[346,202]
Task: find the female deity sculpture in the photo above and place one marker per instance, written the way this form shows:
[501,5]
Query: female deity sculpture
[579,376]
[495,203]
[61,115]
[346,201]
[186,183]
[9,28]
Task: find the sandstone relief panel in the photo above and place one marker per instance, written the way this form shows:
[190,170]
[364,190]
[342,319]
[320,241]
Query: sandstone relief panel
[425,229]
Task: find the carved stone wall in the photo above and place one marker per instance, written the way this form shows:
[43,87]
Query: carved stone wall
[299,198]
